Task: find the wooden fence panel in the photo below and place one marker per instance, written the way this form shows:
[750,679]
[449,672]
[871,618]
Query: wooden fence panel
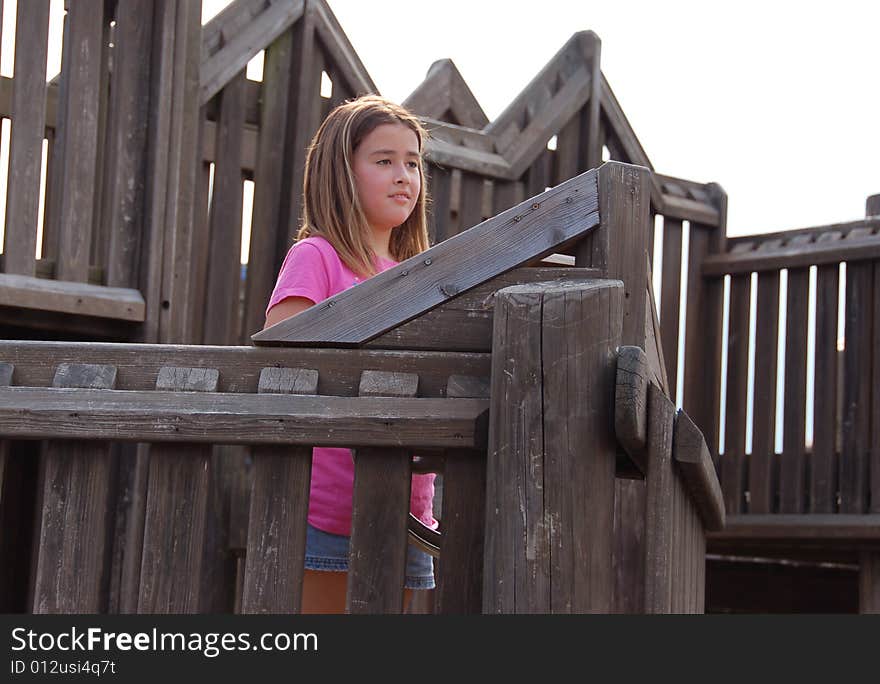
[470,204]
[73,562]
[26,139]
[177,498]
[763,473]
[792,473]
[279,507]
[733,462]
[874,465]
[823,471]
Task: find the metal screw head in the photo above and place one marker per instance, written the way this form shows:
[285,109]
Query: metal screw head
[428,261]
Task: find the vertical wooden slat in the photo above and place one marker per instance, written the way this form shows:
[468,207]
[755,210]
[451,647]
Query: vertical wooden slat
[174,528]
[460,581]
[199,291]
[380,511]
[26,138]
[471,200]
[670,294]
[733,461]
[506,194]
[440,189]
[592,142]
[221,324]
[80,137]
[568,142]
[276,539]
[72,568]
[271,184]
[129,107]
[823,475]
[99,252]
[869,582]
[792,472]
[856,388]
[762,461]
[537,178]
[874,465]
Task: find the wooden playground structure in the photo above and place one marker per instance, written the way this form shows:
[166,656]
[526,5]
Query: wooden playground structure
[155,451]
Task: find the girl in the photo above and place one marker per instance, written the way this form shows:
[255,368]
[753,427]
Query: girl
[364,211]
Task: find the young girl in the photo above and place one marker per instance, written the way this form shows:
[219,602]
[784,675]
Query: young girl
[364,211]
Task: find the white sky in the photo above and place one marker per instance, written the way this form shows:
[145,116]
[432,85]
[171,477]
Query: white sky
[776,101]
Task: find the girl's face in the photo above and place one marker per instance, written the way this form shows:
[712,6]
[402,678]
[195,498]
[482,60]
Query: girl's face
[387,175]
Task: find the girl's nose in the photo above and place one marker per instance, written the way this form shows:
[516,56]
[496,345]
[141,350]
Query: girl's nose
[400,173]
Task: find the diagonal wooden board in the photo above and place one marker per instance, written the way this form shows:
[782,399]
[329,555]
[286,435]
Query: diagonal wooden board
[533,229]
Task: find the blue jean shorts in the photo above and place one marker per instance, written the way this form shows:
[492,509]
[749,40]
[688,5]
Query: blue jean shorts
[329,552]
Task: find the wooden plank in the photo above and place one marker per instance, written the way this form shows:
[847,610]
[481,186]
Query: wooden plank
[631,403]
[239,367]
[83,299]
[874,465]
[129,104]
[670,293]
[853,472]
[240,46]
[792,472]
[733,461]
[229,21]
[26,137]
[859,247]
[471,202]
[823,461]
[592,47]
[659,527]
[579,450]
[80,137]
[464,323]
[440,188]
[224,247]
[694,462]
[869,582]
[445,270]
[538,175]
[444,95]
[176,513]
[72,566]
[763,464]
[279,505]
[340,50]
[834,528]
[240,419]
[269,225]
[568,150]
[380,511]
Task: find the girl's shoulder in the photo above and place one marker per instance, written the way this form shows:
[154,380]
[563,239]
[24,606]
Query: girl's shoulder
[321,244]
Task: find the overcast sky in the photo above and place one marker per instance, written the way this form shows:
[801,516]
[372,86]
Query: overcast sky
[776,101]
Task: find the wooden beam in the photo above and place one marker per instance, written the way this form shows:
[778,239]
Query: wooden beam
[832,529]
[74,298]
[454,266]
[694,461]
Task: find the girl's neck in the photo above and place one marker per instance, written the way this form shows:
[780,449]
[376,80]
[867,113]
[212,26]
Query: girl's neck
[380,243]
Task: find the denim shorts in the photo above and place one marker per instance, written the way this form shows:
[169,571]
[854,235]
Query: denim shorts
[329,552]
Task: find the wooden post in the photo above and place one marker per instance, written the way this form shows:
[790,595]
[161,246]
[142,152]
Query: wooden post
[73,559]
[276,540]
[174,529]
[550,470]
[380,510]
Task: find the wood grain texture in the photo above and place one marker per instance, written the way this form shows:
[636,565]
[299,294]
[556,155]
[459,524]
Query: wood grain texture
[631,403]
[734,473]
[823,461]
[869,582]
[73,562]
[694,461]
[670,293]
[447,269]
[70,297]
[279,502]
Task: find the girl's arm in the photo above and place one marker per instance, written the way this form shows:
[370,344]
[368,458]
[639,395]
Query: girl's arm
[286,308]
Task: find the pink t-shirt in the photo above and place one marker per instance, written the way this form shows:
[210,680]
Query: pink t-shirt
[312,269]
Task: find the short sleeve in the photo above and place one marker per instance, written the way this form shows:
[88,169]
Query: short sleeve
[303,274]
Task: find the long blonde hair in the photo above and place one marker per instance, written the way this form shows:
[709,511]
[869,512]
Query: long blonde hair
[331,208]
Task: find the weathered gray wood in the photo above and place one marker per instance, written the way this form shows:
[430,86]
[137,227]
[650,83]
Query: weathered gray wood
[659,522]
[380,511]
[173,378]
[81,69]
[176,513]
[445,95]
[823,462]
[670,293]
[239,46]
[340,52]
[240,419]
[853,466]
[592,47]
[447,269]
[239,367]
[464,322]
[440,188]
[837,528]
[631,403]
[869,582]
[26,138]
[694,461]
[550,466]
[733,461]
[278,509]
[221,305]
[471,203]
[872,205]
[763,464]
[72,565]
[71,297]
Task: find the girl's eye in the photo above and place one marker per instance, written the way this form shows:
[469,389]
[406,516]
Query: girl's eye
[384,161]
[413,164]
